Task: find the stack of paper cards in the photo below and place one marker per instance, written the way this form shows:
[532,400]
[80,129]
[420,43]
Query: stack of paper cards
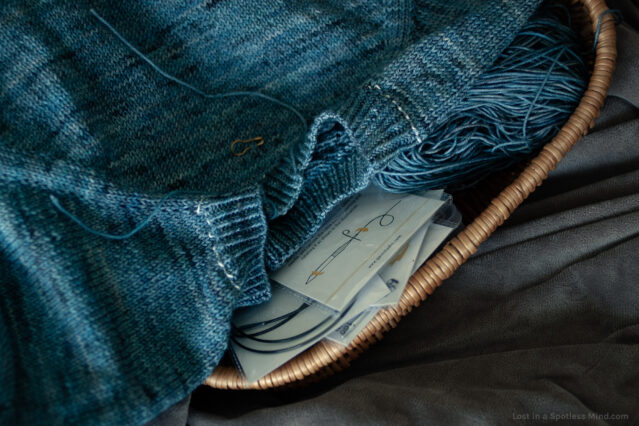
[357,263]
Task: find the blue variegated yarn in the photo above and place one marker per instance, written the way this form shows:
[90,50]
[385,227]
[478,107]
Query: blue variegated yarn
[509,113]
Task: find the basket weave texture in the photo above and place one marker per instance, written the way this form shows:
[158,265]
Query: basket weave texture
[326,358]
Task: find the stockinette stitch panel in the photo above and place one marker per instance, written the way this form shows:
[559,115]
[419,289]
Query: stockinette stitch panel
[98,330]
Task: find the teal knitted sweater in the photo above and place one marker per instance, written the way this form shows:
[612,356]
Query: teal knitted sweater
[96,328]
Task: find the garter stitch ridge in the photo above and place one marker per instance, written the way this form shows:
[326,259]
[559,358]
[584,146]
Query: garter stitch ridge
[102,331]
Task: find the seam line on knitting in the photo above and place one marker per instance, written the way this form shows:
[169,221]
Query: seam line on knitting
[401,110]
[210,234]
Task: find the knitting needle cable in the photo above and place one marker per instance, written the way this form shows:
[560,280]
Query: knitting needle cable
[301,344]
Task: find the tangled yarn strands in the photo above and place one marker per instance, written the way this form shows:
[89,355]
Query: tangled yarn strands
[508,114]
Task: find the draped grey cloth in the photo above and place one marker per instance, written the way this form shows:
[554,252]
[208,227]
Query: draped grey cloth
[543,320]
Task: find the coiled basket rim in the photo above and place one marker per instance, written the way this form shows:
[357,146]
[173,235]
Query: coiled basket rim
[326,358]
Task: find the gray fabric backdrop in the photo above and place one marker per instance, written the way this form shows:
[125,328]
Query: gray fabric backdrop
[543,320]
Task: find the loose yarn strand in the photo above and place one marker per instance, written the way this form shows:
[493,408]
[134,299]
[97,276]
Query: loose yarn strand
[190,86]
[135,230]
[541,88]
[618,19]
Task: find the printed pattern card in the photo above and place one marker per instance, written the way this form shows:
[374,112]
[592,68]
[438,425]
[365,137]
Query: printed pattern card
[349,250]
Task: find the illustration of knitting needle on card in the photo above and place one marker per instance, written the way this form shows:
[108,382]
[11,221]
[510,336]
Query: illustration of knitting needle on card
[357,263]
[385,219]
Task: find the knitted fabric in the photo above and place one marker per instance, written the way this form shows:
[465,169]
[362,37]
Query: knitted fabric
[96,330]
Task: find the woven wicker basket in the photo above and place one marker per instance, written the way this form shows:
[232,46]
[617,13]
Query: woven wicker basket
[485,207]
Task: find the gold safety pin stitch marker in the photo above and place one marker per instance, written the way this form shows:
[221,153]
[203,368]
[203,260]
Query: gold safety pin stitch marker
[259,141]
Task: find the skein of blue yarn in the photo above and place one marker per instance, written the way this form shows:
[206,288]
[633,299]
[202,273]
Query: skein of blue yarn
[508,114]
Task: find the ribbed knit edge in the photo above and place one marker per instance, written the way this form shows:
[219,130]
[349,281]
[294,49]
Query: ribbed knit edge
[335,168]
[237,227]
[282,185]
